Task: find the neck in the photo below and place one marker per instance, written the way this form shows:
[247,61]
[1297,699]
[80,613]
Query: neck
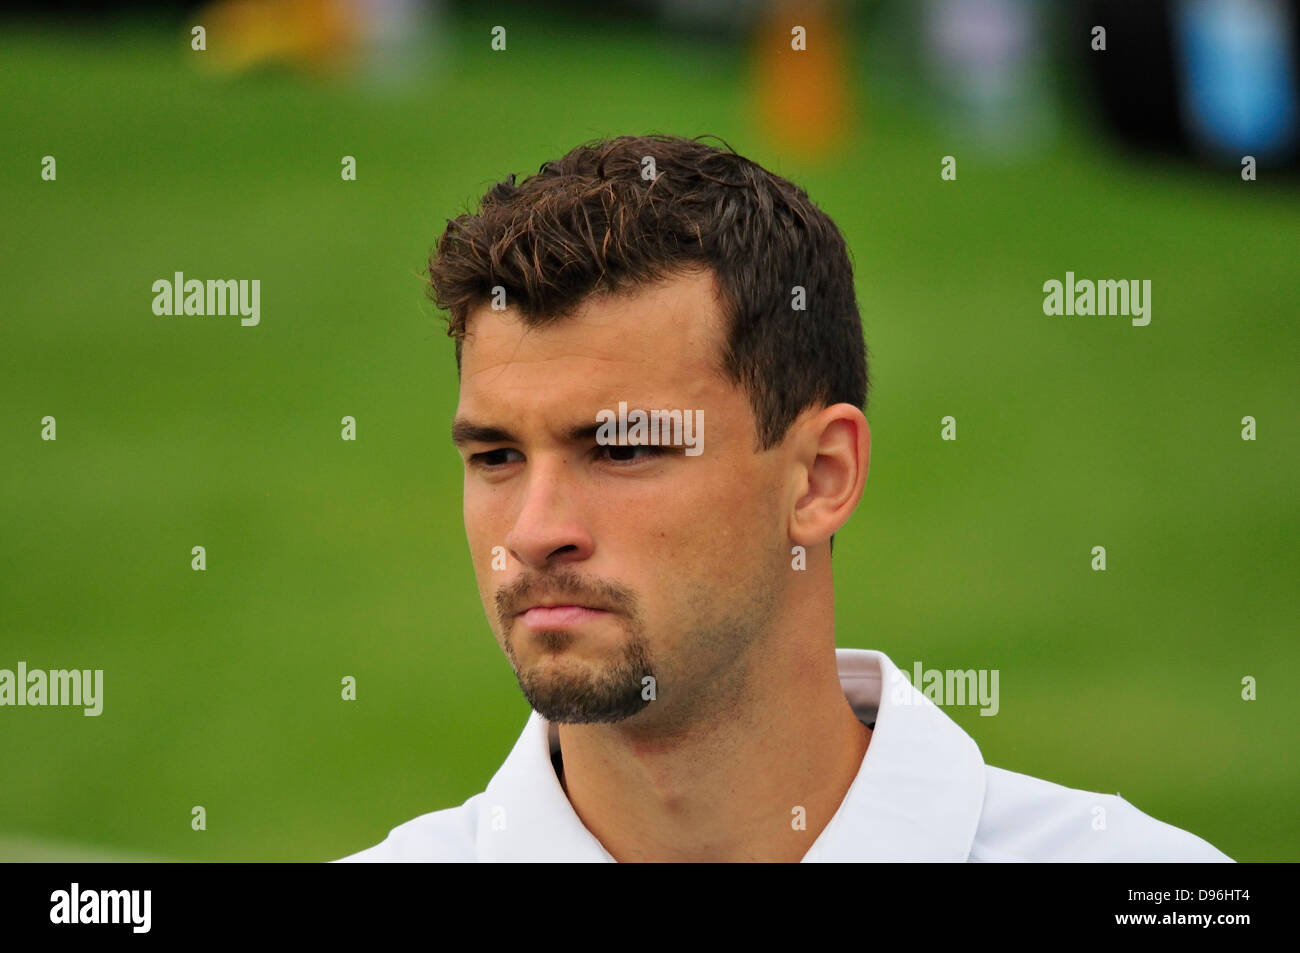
[755,779]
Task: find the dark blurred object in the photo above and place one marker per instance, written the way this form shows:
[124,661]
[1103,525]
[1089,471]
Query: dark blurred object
[1217,79]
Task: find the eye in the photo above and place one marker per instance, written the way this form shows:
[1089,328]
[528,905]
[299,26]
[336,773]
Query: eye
[624,455]
[491,459]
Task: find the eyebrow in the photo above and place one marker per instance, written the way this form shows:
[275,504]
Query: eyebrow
[467,431]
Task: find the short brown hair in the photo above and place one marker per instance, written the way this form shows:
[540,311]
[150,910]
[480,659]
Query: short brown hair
[591,222]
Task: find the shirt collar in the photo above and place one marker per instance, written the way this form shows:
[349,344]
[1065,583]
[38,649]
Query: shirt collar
[917,796]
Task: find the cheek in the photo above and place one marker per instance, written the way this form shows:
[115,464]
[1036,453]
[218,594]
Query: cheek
[482,534]
[745,500]
[714,521]
[484,510]
[753,536]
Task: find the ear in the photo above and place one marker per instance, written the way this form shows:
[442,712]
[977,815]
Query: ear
[832,454]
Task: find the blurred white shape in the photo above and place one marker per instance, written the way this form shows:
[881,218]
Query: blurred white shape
[985,58]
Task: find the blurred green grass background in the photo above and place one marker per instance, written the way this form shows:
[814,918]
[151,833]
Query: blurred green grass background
[328,558]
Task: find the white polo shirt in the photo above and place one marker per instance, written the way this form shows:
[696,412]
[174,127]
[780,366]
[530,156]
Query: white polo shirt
[923,793]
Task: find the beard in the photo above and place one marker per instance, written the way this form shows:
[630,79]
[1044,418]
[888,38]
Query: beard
[709,675]
[584,695]
[567,691]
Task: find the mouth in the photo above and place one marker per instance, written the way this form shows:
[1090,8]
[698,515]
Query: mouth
[560,614]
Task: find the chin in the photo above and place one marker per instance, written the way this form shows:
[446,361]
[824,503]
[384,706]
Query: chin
[572,693]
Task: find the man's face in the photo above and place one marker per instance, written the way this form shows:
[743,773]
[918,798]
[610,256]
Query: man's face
[678,559]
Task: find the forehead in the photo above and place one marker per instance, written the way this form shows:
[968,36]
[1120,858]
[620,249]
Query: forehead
[664,338]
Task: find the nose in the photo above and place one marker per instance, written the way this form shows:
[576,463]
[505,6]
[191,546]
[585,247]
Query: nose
[548,529]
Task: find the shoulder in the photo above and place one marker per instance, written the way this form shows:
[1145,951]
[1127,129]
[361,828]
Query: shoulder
[1029,819]
[446,836]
